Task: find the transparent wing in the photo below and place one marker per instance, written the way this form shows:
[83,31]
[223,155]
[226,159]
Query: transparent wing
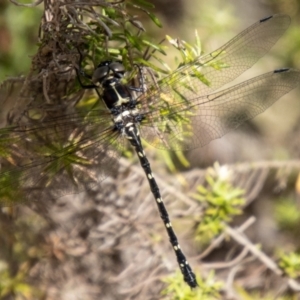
[215,114]
[67,153]
[210,72]
[61,156]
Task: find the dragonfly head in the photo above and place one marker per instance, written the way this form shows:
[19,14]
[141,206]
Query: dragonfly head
[108,72]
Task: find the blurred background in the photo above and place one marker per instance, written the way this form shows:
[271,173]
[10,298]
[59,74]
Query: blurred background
[271,137]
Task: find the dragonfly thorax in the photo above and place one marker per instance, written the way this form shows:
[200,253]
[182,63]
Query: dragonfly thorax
[115,93]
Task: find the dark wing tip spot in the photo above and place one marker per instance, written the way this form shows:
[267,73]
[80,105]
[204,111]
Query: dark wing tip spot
[265,19]
[281,70]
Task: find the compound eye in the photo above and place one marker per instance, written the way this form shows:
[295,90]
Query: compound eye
[117,67]
[100,73]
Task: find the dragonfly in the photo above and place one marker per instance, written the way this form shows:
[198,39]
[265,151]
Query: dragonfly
[64,154]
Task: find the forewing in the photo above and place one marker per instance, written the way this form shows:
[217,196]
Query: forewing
[210,72]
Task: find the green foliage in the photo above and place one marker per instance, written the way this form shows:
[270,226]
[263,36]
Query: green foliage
[127,40]
[188,52]
[16,285]
[19,29]
[9,195]
[177,289]
[169,159]
[287,214]
[221,200]
[23,253]
[290,263]
[244,295]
